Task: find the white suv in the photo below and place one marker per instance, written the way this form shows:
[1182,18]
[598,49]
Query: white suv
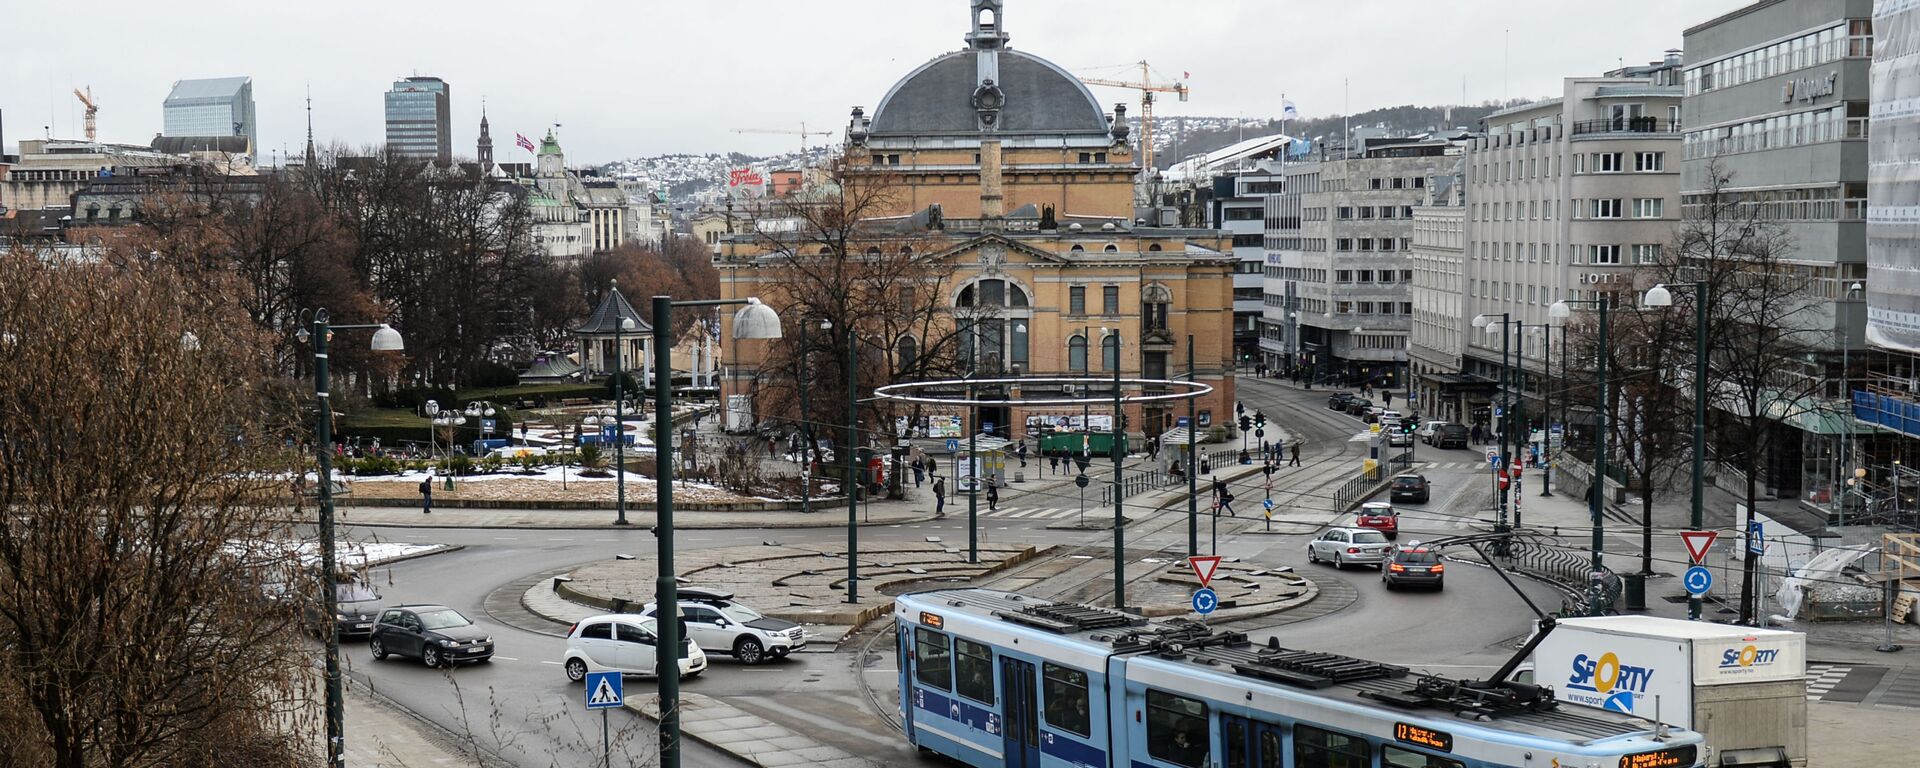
[714,620]
[624,643]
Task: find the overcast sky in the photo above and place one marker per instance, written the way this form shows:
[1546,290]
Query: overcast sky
[649,77]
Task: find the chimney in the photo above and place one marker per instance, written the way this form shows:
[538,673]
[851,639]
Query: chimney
[1673,57]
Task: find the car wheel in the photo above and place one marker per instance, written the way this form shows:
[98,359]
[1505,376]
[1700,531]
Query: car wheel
[1388,582]
[430,656]
[1439,585]
[1339,563]
[378,648]
[1312,556]
[749,651]
[576,670]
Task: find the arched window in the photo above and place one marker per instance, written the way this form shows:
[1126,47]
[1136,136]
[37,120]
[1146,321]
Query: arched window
[1156,300]
[873,250]
[993,293]
[1153,248]
[1111,248]
[1076,249]
[1110,352]
[825,251]
[906,250]
[1077,354]
[908,351]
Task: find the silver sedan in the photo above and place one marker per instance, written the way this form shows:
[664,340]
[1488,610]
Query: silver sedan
[1349,546]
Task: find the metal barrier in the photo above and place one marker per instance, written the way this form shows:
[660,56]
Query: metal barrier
[1133,485]
[1567,569]
[1352,492]
[1227,457]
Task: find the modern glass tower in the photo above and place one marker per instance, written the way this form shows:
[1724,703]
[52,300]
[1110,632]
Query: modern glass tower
[221,106]
[418,119]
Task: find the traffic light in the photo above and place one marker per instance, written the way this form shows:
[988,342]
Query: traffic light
[1246,424]
[1259,419]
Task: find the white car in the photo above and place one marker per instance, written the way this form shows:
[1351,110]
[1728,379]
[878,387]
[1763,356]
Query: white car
[621,642]
[1350,546]
[1428,429]
[714,620]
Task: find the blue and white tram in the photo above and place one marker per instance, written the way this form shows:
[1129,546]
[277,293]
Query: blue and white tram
[994,678]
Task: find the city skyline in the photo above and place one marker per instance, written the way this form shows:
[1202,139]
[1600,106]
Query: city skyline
[1430,56]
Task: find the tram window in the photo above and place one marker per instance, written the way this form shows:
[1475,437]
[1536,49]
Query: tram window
[1066,691]
[973,663]
[1315,748]
[932,662]
[1395,757]
[1236,736]
[1176,729]
[1269,748]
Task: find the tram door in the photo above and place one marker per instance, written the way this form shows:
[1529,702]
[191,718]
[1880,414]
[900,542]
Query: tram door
[1250,743]
[1021,703]
[904,655]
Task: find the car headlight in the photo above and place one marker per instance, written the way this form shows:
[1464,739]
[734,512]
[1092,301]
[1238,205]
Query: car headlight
[449,643]
[488,639]
[344,616]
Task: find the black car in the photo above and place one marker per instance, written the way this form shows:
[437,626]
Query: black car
[356,606]
[435,634]
[1452,436]
[1414,564]
[1413,488]
[1338,401]
[1359,406]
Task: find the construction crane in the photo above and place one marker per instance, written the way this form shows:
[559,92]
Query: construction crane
[92,109]
[803,133]
[1147,88]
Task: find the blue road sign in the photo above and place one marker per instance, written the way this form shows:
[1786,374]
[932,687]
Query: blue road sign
[1697,580]
[1268,503]
[1204,601]
[987,427]
[604,690]
[1498,411]
[1180,422]
[953,444]
[486,425]
[1756,537]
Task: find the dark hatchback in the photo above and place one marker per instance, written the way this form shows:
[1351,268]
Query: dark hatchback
[1338,401]
[1451,436]
[1411,488]
[1414,565]
[435,634]
[356,606]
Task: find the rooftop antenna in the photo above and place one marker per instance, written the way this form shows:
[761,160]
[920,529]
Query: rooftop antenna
[1506,66]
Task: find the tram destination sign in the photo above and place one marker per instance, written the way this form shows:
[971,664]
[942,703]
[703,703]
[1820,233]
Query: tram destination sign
[1423,737]
[932,620]
[1677,757]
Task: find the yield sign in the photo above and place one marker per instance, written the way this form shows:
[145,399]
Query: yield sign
[1203,567]
[1698,542]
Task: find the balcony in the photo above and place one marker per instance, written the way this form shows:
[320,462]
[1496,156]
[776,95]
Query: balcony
[1630,125]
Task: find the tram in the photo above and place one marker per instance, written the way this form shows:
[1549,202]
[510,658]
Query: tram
[992,678]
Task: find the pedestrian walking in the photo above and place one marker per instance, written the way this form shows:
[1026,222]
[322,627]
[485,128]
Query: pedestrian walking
[1053,462]
[1388,396]
[939,497]
[1294,461]
[426,496]
[993,496]
[1021,451]
[919,470]
[1223,497]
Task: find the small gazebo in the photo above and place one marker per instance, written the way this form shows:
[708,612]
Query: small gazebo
[597,339]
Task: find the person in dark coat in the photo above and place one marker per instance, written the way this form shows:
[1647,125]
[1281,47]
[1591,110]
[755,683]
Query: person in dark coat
[1294,459]
[993,496]
[426,496]
[939,497]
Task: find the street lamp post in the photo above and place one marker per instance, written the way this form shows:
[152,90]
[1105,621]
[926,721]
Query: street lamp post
[1660,296]
[753,321]
[385,339]
[1119,498]
[1546,391]
[1193,480]
[620,422]
[806,421]
[854,487]
[1596,493]
[1487,322]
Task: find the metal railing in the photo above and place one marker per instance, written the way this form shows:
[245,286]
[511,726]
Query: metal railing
[1626,125]
[1568,570]
[1352,492]
[1133,485]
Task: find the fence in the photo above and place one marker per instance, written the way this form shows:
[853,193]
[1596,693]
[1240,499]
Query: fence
[1134,484]
[1569,570]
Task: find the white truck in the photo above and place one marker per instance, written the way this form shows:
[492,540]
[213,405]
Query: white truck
[1743,688]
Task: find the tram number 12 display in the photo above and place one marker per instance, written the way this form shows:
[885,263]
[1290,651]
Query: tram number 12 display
[1666,758]
[1424,737]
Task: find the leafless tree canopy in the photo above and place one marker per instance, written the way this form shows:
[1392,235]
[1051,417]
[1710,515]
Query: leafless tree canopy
[136,554]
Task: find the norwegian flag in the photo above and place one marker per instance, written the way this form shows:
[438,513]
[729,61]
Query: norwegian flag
[522,140]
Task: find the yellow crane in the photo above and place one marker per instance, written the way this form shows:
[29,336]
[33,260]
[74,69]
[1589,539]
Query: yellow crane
[1147,88]
[87,99]
[803,133]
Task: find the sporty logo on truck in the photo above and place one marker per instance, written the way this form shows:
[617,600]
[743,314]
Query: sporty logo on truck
[1612,685]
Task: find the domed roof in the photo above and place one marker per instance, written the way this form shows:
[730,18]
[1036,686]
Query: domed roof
[1039,97]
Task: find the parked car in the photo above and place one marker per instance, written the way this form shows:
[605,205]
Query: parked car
[1338,401]
[627,643]
[1414,564]
[1349,546]
[435,634]
[1428,430]
[1410,488]
[714,620]
[1388,414]
[1379,516]
[1358,406]
[1397,437]
[1452,436]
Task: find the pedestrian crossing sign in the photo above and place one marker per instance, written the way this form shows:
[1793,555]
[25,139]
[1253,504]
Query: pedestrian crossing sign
[604,690]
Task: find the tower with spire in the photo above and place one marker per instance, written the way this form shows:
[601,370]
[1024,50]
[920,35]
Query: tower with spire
[312,157]
[485,150]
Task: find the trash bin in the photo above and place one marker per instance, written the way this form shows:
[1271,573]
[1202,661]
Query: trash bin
[1636,589]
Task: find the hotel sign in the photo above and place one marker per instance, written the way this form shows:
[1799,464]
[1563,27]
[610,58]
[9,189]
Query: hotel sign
[1809,88]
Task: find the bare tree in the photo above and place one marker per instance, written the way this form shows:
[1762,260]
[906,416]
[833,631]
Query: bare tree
[1768,335]
[139,467]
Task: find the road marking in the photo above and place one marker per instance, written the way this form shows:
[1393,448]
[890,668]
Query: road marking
[506,538]
[554,539]
[606,539]
[505,658]
[555,663]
